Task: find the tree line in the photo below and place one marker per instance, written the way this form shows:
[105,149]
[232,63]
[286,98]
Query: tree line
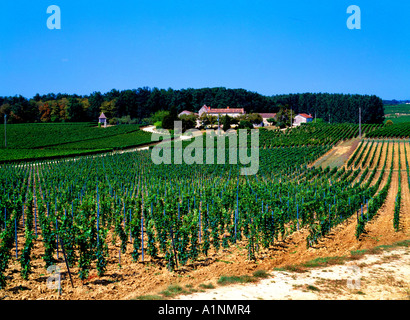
[138,105]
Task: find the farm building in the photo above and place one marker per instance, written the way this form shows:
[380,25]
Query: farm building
[266,116]
[234,112]
[102,119]
[302,118]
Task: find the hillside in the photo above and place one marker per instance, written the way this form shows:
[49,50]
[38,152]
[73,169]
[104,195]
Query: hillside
[281,221]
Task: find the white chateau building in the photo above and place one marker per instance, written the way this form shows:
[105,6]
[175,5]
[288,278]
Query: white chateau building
[234,112]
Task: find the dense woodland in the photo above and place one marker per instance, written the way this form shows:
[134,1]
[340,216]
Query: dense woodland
[139,104]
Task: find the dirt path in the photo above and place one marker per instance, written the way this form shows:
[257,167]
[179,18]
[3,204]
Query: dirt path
[405,201]
[381,276]
[387,149]
[338,155]
[363,165]
[373,150]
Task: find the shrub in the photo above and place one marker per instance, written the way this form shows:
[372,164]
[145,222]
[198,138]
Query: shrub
[127,120]
[113,121]
[168,121]
[245,125]
[260,274]
[159,116]
[226,123]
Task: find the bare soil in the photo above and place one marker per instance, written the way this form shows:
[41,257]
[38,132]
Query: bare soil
[338,155]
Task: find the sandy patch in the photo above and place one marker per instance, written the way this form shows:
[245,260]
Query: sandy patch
[382,276]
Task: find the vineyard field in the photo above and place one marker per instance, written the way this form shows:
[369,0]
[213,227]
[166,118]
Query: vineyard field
[40,141]
[400,130]
[129,227]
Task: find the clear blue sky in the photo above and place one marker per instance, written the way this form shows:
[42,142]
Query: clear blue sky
[271,47]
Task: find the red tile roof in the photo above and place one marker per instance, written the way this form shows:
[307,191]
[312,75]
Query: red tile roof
[304,115]
[267,115]
[227,110]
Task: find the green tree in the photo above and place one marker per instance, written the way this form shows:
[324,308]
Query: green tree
[168,121]
[226,120]
[95,100]
[255,118]
[244,124]
[159,116]
[284,116]
[109,108]
[206,119]
[188,121]
[272,121]
[75,111]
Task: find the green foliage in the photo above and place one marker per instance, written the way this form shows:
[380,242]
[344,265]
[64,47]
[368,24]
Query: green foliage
[272,121]
[254,118]
[127,120]
[86,236]
[397,206]
[136,235]
[207,119]
[401,130]
[396,218]
[173,290]
[168,121]
[159,116]
[52,140]
[244,124]
[227,280]
[260,274]
[142,103]
[360,227]
[31,136]
[285,116]
[226,123]
[25,255]
[6,243]
[188,122]
[75,111]
[170,206]
[312,134]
